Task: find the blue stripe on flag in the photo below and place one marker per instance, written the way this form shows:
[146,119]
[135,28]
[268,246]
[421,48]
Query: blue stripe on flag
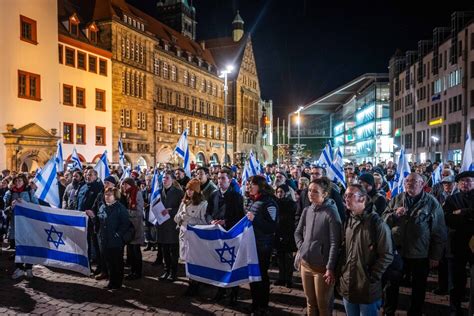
[180,151]
[46,253]
[217,234]
[242,273]
[66,220]
[47,184]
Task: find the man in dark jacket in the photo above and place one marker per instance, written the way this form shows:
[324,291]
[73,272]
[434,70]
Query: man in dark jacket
[226,208]
[459,214]
[316,173]
[181,177]
[207,186]
[364,259]
[86,198]
[419,232]
[378,200]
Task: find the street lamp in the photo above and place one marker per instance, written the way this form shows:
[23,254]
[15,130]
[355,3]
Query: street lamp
[224,74]
[298,122]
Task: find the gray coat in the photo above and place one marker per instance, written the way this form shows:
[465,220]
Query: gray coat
[208,189]
[318,235]
[421,232]
[167,233]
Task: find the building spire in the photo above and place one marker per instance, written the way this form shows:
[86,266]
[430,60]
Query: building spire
[238,27]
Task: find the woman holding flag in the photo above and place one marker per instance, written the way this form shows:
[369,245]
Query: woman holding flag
[19,191]
[192,211]
[262,211]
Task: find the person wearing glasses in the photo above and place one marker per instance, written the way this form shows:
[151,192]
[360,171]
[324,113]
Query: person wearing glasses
[459,213]
[367,252]
[318,238]
[417,222]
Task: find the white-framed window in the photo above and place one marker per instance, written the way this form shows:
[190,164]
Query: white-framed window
[189,127]
[159,123]
[185,78]
[165,70]
[211,132]
[156,65]
[204,130]
[218,129]
[173,73]
[180,126]
[196,128]
[141,121]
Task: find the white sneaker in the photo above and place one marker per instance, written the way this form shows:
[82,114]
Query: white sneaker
[29,274]
[18,273]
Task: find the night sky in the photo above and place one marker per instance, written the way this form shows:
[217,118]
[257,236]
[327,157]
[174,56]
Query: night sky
[306,48]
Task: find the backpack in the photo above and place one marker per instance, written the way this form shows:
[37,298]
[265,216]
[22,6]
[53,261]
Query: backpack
[129,235]
[394,271]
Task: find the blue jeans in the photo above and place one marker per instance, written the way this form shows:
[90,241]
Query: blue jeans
[362,309]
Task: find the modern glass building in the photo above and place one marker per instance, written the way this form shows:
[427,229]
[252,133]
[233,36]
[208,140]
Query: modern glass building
[362,125]
[359,120]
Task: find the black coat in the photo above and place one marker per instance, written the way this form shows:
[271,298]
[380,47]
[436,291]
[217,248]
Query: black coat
[113,222]
[285,234]
[265,221]
[167,233]
[228,206]
[462,224]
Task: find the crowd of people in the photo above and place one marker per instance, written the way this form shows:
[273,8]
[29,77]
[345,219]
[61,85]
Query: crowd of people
[356,241]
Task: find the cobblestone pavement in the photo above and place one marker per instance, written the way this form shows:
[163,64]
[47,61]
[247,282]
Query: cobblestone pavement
[55,292]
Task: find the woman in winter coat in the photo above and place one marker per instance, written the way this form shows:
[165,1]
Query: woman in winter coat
[318,238]
[19,191]
[262,210]
[135,209]
[192,211]
[167,234]
[113,222]
[285,235]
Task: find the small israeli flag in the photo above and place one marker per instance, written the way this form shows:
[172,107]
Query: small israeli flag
[254,166]
[182,149]
[436,175]
[157,214]
[76,162]
[51,237]
[334,167]
[219,257]
[121,154]
[467,164]
[246,174]
[47,184]
[59,157]
[403,170]
[102,167]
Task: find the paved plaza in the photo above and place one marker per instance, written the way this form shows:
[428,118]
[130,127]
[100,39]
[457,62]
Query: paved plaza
[56,292]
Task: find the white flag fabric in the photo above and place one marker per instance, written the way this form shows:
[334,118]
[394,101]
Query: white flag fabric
[245,177]
[59,157]
[254,166]
[76,162]
[334,165]
[157,214]
[403,170]
[467,164]
[51,237]
[102,167]
[182,149]
[47,184]
[436,175]
[219,257]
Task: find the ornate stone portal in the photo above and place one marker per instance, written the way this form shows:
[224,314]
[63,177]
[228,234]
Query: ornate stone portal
[28,147]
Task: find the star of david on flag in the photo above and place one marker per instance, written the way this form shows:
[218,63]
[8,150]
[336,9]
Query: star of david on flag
[219,257]
[59,235]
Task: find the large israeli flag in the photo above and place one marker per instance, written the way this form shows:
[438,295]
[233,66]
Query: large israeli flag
[467,164]
[51,237]
[47,184]
[102,167]
[219,257]
[403,170]
[59,157]
[436,175]
[76,162]
[182,149]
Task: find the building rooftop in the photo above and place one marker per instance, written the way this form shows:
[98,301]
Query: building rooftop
[329,102]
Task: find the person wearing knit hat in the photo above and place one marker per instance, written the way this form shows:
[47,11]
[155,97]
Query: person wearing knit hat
[110,179]
[192,211]
[284,237]
[367,180]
